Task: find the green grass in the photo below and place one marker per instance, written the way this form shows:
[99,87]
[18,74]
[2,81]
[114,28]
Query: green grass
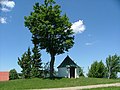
[48,83]
[107,88]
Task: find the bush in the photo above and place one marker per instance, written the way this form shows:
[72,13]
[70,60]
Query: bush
[13,74]
[81,72]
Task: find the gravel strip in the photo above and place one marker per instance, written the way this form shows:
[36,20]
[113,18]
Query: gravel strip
[83,87]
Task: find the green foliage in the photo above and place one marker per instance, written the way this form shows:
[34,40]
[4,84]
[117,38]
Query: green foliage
[13,74]
[50,30]
[80,71]
[36,70]
[25,64]
[113,66]
[97,70]
[31,63]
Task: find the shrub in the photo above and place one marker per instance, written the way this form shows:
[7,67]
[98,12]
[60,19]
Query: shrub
[13,74]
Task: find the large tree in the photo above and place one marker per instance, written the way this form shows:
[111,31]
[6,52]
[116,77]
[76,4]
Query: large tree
[51,30]
[113,66]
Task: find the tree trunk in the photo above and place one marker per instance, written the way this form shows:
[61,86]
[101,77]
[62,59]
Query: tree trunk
[109,73]
[52,65]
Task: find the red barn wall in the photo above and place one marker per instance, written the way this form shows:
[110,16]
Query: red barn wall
[4,76]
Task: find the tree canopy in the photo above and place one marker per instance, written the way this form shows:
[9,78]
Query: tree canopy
[97,70]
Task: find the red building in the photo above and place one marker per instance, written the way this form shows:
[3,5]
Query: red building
[4,76]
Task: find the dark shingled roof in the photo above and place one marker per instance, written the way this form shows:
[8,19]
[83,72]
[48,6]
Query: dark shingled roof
[68,62]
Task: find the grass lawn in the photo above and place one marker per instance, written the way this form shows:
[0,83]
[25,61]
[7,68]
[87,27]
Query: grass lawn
[37,83]
[107,88]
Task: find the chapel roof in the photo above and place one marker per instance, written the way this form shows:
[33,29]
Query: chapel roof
[68,62]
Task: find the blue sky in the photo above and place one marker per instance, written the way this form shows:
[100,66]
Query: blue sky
[99,39]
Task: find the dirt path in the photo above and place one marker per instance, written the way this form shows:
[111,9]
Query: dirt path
[83,87]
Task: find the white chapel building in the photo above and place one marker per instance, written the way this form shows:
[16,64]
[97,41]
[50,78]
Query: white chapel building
[68,68]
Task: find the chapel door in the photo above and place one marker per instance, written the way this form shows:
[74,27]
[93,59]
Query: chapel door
[72,72]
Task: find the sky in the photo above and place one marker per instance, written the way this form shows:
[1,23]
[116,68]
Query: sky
[96,24]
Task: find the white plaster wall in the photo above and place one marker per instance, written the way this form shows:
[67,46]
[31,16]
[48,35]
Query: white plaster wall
[62,72]
[76,72]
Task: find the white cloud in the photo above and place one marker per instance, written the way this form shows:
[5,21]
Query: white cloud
[78,26]
[6,5]
[88,44]
[3,20]
[9,4]
[5,9]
